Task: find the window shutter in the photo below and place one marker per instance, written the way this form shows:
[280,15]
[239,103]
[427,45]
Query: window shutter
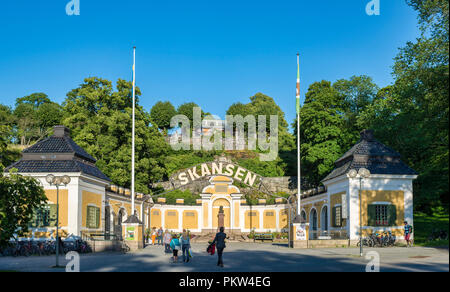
[97,217]
[90,217]
[371,215]
[391,215]
[52,219]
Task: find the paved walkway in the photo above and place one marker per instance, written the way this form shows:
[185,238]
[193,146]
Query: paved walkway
[239,257]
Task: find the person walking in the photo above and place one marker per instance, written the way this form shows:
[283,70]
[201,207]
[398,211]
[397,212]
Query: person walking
[185,245]
[167,239]
[407,233]
[219,241]
[176,246]
[160,236]
[154,235]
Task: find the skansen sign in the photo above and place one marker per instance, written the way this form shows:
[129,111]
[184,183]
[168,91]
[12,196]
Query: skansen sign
[205,170]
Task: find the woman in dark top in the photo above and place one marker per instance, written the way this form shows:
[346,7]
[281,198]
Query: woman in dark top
[219,240]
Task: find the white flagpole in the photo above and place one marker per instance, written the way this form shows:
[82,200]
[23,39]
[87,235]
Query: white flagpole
[298,136]
[132,134]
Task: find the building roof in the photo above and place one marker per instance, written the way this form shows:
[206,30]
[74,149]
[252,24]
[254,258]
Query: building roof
[58,153]
[132,219]
[60,142]
[370,154]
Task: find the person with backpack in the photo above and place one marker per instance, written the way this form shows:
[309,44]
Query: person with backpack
[175,244]
[167,239]
[407,233]
[185,245]
[219,242]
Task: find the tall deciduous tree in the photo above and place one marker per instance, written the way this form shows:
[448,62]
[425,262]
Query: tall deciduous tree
[187,110]
[100,122]
[356,93]
[161,113]
[35,115]
[412,115]
[321,130]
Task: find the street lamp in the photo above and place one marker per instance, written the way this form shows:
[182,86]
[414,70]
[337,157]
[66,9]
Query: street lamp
[57,181]
[362,173]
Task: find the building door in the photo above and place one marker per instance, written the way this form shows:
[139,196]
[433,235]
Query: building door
[107,222]
[324,220]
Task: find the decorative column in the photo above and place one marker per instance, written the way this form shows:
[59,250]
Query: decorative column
[206,213]
[235,210]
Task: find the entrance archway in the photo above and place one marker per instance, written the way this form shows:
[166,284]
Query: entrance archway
[118,224]
[225,204]
[313,224]
[107,222]
[324,220]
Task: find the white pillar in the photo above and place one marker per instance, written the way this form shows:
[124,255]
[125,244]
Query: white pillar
[210,214]
[353,220]
[74,204]
[408,201]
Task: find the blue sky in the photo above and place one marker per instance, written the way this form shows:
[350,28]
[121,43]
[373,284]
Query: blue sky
[211,52]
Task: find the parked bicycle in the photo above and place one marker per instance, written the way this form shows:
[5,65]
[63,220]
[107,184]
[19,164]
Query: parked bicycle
[380,240]
[30,247]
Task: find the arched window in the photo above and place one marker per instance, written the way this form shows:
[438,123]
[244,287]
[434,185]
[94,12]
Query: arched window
[324,218]
[303,216]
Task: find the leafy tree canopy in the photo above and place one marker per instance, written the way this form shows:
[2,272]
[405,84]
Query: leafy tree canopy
[161,113]
[19,196]
[100,122]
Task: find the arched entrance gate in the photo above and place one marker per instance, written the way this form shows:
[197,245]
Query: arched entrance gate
[221,194]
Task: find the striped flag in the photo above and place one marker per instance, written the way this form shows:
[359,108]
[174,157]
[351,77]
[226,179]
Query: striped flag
[298,85]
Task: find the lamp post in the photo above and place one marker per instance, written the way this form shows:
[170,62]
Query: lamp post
[362,173]
[57,181]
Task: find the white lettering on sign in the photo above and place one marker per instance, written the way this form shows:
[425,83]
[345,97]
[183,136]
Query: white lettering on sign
[204,170]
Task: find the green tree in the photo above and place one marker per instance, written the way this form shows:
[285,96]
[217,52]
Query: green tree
[19,196]
[261,104]
[321,130]
[161,113]
[411,115]
[5,132]
[357,93]
[187,110]
[26,121]
[100,122]
[34,116]
[240,109]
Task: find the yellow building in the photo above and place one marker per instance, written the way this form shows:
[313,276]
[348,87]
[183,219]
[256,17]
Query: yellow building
[90,204]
